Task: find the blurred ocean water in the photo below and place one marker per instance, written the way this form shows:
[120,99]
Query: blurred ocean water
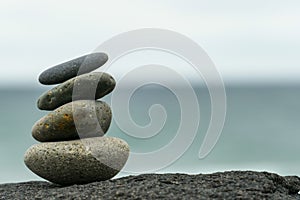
[261,131]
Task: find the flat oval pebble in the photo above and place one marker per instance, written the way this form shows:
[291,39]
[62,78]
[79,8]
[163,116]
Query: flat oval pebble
[78,119]
[87,86]
[78,161]
[72,68]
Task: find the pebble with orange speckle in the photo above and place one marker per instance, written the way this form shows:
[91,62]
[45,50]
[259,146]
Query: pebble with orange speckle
[78,119]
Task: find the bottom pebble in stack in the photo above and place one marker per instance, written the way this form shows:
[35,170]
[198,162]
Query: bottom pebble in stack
[78,161]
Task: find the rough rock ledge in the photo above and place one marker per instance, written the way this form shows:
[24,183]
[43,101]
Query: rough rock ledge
[221,185]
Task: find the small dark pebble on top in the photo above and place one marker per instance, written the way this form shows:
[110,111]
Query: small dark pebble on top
[225,185]
[72,68]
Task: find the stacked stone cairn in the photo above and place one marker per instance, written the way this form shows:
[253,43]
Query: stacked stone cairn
[73,149]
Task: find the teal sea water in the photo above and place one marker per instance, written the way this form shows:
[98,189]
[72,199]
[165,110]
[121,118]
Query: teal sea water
[261,132]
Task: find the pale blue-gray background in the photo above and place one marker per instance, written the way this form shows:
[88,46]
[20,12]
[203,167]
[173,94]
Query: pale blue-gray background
[255,46]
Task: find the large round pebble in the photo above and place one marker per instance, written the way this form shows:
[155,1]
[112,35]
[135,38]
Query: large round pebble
[78,119]
[78,161]
[70,69]
[87,86]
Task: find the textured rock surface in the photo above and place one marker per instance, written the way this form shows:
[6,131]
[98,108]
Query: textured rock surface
[92,119]
[74,162]
[70,69]
[87,86]
[227,185]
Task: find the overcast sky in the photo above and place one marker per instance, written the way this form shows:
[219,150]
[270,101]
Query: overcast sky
[247,40]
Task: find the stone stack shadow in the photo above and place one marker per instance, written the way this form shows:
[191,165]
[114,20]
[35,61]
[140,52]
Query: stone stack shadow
[73,149]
